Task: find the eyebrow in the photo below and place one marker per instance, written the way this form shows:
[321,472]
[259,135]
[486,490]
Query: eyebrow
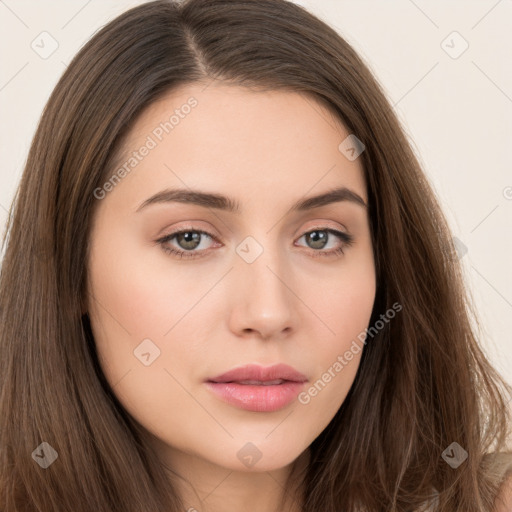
[220,202]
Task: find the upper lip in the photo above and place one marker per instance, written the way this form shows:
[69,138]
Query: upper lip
[260,373]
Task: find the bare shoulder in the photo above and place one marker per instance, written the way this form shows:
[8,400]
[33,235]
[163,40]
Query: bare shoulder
[504,500]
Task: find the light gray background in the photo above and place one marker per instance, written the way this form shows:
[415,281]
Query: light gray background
[455,105]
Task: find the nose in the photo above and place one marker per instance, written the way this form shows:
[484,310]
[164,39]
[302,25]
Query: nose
[262,298]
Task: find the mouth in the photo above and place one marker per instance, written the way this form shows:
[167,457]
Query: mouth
[258,389]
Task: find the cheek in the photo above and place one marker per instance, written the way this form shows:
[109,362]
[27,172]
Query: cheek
[342,301]
[133,307]
[132,304]
[151,305]
[345,305]
[135,293]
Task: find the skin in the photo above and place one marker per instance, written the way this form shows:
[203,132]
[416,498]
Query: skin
[212,313]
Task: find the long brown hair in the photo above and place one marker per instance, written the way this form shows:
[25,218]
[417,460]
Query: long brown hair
[423,381]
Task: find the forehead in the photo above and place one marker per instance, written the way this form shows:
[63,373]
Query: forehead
[251,142]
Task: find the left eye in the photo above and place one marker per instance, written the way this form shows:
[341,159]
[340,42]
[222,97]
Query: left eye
[190,239]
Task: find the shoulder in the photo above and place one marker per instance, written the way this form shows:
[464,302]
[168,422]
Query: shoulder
[498,466]
[503,501]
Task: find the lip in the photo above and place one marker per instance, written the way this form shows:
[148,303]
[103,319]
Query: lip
[260,373]
[268,388]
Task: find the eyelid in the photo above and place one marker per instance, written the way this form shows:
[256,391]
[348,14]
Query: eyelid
[188,226]
[324,224]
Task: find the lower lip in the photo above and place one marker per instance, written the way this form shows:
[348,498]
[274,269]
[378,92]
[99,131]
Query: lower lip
[257,398]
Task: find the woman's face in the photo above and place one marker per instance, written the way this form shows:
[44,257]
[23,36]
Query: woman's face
[265,285]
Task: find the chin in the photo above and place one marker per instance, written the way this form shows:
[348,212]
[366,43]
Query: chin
[254,457]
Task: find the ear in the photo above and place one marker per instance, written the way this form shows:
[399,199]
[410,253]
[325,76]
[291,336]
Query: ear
[503,502]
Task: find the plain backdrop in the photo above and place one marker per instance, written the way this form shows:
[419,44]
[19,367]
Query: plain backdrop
[445,67]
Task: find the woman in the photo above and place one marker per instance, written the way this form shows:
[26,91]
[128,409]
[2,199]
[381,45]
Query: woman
[198,169]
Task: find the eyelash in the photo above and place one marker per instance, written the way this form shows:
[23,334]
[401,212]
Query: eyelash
[347,241]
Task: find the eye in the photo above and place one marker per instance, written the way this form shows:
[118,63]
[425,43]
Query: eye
[319,237]
[188,240]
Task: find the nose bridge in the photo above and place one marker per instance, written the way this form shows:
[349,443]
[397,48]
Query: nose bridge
[262,262]
[263,298]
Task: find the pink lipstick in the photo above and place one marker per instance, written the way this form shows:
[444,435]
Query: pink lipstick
[257,388]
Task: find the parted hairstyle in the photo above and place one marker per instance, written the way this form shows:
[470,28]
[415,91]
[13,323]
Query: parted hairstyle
[423,382]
